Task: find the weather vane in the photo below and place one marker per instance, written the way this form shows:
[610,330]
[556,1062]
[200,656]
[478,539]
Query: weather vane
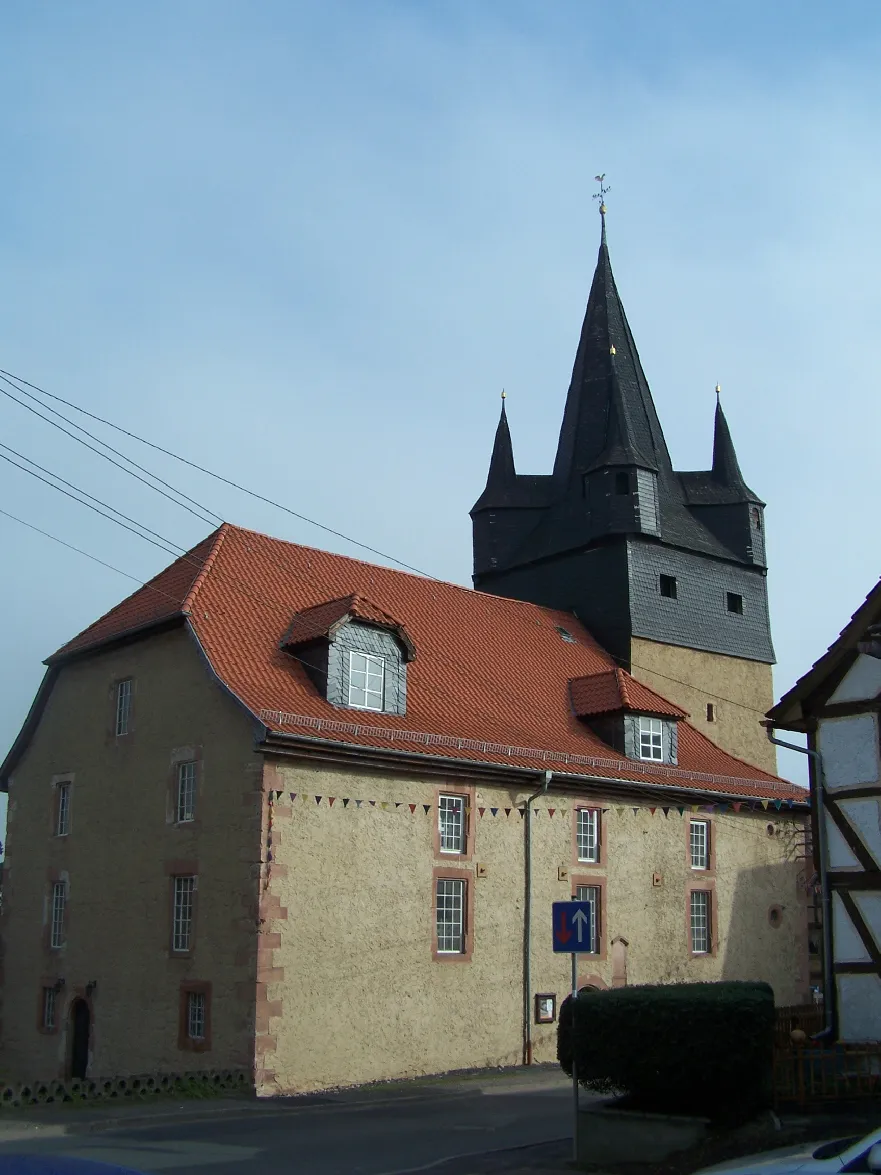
[601,194]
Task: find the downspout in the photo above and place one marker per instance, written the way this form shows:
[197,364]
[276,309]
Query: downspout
[819,804]
[547,776]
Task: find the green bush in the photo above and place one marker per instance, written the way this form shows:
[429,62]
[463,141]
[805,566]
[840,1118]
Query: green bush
[699,1048]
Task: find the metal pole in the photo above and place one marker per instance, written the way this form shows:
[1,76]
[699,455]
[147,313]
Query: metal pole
[527,920]
[574,1062]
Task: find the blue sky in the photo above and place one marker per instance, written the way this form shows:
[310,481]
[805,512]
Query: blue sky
[308,243]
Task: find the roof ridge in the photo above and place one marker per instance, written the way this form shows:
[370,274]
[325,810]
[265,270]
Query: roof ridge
[207,563]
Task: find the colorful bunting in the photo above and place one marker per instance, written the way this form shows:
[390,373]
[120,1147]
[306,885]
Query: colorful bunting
[426,808]
[358,803]
[293,795]
[412,808]
[653,810]
[331,800]
[398,803]
[551,812]
[507,811]
[318,800]
[481,812]
[494,811]
[666,811]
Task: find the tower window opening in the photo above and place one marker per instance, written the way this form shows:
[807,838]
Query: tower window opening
[735,603]
[622,483]
[668,586]
[757,519]
[711,712]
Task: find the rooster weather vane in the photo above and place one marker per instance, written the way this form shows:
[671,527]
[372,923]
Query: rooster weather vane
[601,194]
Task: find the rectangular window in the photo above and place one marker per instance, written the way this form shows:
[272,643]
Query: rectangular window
[622,483]
[651,739]
[450,915]
[711,712]
[49,997]
[699,844]
[668,586]
[182,923]
[186,792]
[451,823]
[62,809]
[196,1019]
[123,706]
[592,894]
[735,603]
[700,922]
[366,681]
[59,901]
[587,835]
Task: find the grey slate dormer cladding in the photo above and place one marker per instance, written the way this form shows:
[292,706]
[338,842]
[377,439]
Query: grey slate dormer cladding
[377,642]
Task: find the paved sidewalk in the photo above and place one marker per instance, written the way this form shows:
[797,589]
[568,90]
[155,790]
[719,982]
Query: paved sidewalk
[58,1119]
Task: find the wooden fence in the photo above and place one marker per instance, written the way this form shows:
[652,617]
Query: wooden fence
[813,1075]
[807,1017]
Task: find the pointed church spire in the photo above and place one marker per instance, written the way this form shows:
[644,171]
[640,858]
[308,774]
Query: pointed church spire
[610,418]
[501,465]
[726,468]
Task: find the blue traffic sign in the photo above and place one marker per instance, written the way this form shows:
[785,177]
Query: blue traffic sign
[572,922]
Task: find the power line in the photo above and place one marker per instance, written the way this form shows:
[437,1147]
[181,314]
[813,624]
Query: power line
[9,377]
[213,520]
[86,494]
[73,498]
[94,558]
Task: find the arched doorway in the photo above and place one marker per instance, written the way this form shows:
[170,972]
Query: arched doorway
[80,1025]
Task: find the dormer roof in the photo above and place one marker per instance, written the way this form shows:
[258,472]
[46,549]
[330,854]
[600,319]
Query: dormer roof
[323,620]
[615,691]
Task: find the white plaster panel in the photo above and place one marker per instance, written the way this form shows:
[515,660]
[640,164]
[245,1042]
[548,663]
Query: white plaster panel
[865,816]
[840,855]
[859,1007]
[862,682]
[869,905]
[849,747]
[847,945]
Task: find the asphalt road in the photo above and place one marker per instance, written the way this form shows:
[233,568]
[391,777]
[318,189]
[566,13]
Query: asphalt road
[458,1130]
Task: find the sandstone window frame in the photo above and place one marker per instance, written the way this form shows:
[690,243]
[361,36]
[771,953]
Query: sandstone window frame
[465,879]
[190,990]
[597,896]
[693,915]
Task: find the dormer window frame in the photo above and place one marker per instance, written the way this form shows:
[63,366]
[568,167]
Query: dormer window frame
[374,666]
[651,738]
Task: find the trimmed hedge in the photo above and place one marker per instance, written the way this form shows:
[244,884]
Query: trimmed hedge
[698,1048]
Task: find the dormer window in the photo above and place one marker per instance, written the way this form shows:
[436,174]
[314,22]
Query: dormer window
[651,739]
[354,653]
[366,681]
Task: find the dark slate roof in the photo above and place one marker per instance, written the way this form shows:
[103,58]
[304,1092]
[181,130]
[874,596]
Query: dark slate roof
[610,420]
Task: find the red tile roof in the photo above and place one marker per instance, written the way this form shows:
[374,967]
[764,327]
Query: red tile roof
[490,682]
[321,619]
[614,690]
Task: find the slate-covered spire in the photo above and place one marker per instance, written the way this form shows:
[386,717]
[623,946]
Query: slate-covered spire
[610,418]
[501,477]
[726,468]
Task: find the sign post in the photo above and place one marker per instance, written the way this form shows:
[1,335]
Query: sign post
[571,923]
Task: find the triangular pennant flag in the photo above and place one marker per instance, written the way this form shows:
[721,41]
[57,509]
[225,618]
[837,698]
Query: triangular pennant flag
[565,811]
[666,811]
[426,808]
[778,804]
[636,811]
[522,812]
[398,804]
[331,800]
[481,811]
[346,803]
[358,803]
[412,808]
[384,805]
[494,811]
[653,810]
[790,803]
[278,795]
[318,800]
[507,811]
[293,795]
[551,812]
[620,811]
[372,803]
[765,804]
[681,811]
[737,806]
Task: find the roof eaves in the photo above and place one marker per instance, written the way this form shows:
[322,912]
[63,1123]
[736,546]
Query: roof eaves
[442,761]
[23,738]
[117,638]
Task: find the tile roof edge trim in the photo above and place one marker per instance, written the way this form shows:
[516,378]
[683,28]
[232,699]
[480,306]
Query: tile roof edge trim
[170,619]
[332,726]
[207,564]
[563,777]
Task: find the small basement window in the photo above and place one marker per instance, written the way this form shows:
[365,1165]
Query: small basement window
[735,603]
[622,483]
[668,586]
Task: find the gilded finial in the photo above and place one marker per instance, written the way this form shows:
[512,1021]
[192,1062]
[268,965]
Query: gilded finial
[601,194]
[612,350]
[504,394]
[718,392]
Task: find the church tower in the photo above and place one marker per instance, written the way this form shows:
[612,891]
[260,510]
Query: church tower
[666,569]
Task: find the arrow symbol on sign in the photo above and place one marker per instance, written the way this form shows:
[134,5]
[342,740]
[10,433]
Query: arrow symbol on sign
[563,931]
[579,919]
